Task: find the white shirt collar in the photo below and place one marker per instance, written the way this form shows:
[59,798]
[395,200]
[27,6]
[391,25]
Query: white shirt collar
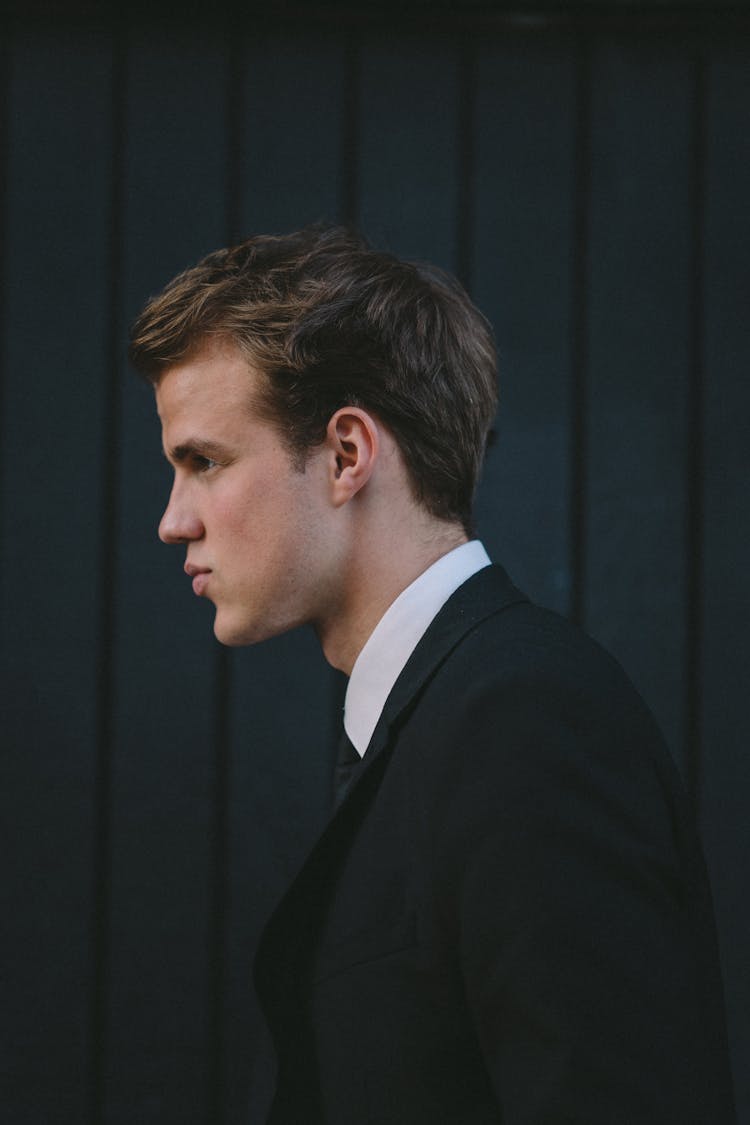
[397,634]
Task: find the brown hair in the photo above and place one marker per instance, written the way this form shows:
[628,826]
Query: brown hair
[331,322]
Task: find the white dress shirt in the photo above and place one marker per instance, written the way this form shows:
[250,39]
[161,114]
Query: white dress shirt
[397,634]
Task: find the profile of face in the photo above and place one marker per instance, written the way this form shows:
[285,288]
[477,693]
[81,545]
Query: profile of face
[259,531]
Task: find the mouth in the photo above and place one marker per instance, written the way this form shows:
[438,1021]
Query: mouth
[199,575]
[199,584]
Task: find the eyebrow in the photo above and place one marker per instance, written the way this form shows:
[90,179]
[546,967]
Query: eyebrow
[200,447]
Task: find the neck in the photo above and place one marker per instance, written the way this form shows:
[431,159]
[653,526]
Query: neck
[374,578]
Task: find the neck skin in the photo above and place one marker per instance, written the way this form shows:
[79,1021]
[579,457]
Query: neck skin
[387,540]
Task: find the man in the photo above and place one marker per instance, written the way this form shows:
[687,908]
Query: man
[507,918]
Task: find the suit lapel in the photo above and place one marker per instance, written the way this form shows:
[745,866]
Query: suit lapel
[283,941]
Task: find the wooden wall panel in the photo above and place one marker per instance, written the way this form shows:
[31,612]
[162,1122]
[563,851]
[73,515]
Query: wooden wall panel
[522,280]
[408,148]
[639,369]
[55,294]
[291,141]
[281,712]
[158,1050]
[725,610]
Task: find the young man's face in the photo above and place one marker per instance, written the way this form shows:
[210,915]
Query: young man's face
[258,532]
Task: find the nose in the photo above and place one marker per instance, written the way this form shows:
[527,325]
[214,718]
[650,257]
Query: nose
[180,523]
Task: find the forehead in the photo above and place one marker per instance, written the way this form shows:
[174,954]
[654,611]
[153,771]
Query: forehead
[216,385]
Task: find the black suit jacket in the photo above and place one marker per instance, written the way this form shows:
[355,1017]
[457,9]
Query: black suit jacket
[508,918]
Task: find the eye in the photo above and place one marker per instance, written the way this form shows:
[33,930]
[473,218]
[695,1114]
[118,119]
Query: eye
[203,464]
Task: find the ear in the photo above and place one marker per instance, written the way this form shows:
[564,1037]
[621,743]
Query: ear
[354,440]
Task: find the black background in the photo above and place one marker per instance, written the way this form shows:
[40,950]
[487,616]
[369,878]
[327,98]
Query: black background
[585,170]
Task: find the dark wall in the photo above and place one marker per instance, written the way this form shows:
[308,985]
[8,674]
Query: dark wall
[589,180]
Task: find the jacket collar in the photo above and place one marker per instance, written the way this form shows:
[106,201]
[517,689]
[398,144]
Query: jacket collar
[488,592]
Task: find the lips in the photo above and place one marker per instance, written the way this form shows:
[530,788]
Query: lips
[199,575]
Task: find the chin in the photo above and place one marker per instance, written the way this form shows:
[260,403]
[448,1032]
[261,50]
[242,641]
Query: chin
[235,634]
[232,638]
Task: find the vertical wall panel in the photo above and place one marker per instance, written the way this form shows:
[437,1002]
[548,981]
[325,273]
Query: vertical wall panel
[281,741]
[158,1047]
[726,548]
[639,364]
[522,250]
[408,158]
[55,319]
[291,140]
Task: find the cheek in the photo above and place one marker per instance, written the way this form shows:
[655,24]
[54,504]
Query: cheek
[254,513]
[271,511]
